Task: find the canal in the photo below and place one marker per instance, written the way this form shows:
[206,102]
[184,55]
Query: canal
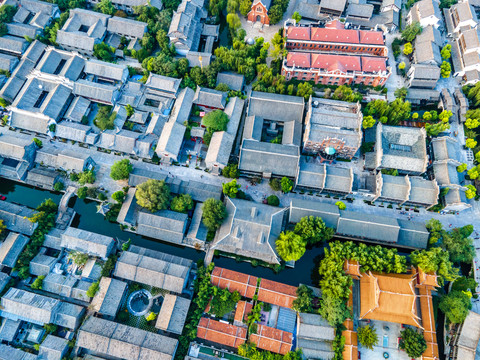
[87,218]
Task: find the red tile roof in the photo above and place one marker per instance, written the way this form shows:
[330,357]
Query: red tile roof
[272,339]
[221,333]
[374,64]
[242,310]
[298,33]
[276,293]
[234,281]
[343,63]
[335,33]
[271,292]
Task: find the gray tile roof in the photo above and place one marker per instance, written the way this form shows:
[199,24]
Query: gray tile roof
[300,208]
[210,98]
[250,230]
[153,268]
[15,217]
[11,353]
[164,225]
[53,348]
[173,314]
[109,297]
[127,27]
[108,338]
[233,80]
[87,242]
[262,157]
[400,148]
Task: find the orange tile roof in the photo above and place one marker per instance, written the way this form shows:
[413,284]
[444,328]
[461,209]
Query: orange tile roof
[221,333]
[388,297]
[352,268]
[242,310]
[271,292]
[272,339]
[276,293]
[234,281]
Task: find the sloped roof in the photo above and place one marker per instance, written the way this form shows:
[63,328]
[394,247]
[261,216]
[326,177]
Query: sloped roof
[153,268]
[389,297]
[271,339]
[117,340]
[221,333]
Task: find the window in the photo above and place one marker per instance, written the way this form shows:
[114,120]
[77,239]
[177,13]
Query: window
[40,99]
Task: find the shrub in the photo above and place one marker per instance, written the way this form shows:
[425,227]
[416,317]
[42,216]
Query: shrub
[275,184]
[273,200]
[58,186]
[118,196]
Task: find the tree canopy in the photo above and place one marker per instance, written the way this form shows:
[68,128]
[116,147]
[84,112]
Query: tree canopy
[153,195]
[214,213]
[121,169]
[290,246]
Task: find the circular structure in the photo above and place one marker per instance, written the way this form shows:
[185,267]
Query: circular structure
[139,302]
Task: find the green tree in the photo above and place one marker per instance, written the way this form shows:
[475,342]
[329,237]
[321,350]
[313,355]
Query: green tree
[230,189]
[275,184]
[105,118]
[118,196]
[86,177]
[412,342]
[471,192]
[214,213]
[303,302]
[106,7]
[286,184]
[273,200]
[216,120]
[312,229]
[153,195]
[82,192]
[130,110]
[334,309]
[411,31]
[245,7]
[290,246]
[455,305]
[461,168]
[121,169]
[470,143]
[37,284]
[182,203]
[445,69]
[435,260]
[341,205]
[296,16]
[472,123]
[401,93]
[367,336]
[407,48]
[58,186]
[459,245]
[104,52]
[93,289]
[368,122]
[446,52]
[231,171]
[305,90]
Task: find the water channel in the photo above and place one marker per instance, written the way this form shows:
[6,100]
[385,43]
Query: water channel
[305,270]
